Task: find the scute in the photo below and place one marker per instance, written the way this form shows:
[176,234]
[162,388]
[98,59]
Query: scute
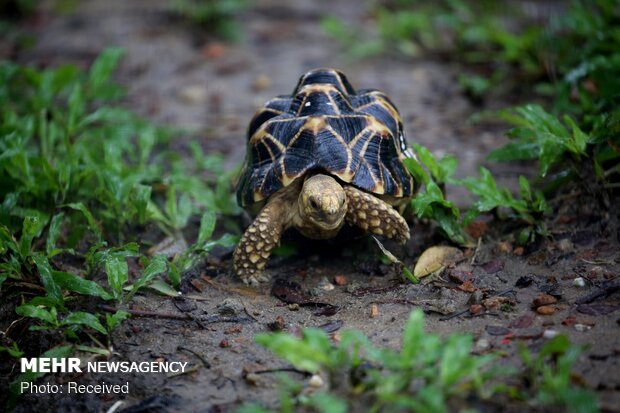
[325,127]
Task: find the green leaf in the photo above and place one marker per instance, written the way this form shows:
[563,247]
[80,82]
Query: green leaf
[163,288]
[47,279]
[76,108]
[307,354]
[515,151]
[80,285]
[207,225]
[13,351]
[157,265]
[84,318]
[441,170]
[413,334]
[27,310]
[30,228]
[579,139]
[416,170]
[140,197]
[118,273]
[92,223]
[53,234]
[327,403]
[526,190]
[102,68]
[113,320]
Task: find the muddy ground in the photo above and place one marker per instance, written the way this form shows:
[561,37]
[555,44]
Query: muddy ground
[176,75]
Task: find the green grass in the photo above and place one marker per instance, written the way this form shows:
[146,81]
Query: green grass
[572,62]
[215,16]
[81,179]
[426,374]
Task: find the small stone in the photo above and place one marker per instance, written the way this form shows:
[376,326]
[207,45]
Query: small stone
[253,379]
[193,94]
[230,307]
[374,311]
[546,310]
[261,83]
[543,299]
[316,381]
[579,282]
[475,309]
[582,327]
[475,297]
[504,246]
[214,50]
[519,251]
[224,343]
[492,303]
[549,334]
[325,285]
[293,307]
[340,280]
[467,287]
[482,344]
[565,245]
[277,325]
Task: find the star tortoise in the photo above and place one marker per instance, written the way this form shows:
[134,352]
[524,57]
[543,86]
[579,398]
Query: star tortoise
[322,157]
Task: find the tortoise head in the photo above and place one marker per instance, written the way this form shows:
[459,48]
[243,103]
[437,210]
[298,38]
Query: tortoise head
[323,202]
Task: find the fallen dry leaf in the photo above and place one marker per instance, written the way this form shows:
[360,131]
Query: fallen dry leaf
[436,258]
[374,311]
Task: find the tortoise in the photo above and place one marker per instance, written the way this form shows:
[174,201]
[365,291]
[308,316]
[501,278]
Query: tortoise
[318,159]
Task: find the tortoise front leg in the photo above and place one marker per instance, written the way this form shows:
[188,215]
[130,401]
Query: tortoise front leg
[375,216]
[254,248]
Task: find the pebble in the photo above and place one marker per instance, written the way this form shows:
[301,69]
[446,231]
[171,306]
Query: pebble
[193,94]
[293,307]
[549,334]
[316,381]
[582,327]
[261,82]
[325,285]
[546,310]
[253,378]
[565,245]
[230,307]
[374,311]
[544,300]
[482,344]
[579,282]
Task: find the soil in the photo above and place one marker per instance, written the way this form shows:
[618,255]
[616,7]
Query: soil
[176,75]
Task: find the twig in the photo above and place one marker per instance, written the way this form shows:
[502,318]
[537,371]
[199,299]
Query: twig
[605,290]
[205,363]
[115,406]
[286,369]
[473,258]
[454,315]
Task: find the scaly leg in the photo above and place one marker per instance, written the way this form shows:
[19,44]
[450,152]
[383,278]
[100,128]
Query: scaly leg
[375,216]
[254,248]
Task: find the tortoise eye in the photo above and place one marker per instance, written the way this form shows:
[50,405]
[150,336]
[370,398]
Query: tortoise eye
[314,204]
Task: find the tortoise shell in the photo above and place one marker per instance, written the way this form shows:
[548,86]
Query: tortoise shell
[326,127]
